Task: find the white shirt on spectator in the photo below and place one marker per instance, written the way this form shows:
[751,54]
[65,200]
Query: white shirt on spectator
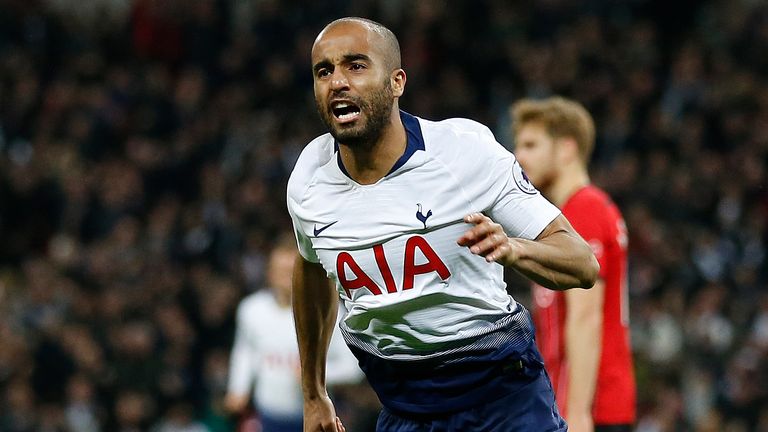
[265,357]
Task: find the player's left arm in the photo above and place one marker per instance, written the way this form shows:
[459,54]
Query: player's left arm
[557,259]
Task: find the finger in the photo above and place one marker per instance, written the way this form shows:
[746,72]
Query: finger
[500,253]
[484,226]
[339,425]
[476,218]
[480,233]
[489,244]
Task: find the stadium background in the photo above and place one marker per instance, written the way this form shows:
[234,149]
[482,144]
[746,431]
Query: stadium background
[145,146]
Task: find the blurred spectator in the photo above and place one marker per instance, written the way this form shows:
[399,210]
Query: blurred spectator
[264,366]
[133,411]
[19,410]
[82,411]
[179,418]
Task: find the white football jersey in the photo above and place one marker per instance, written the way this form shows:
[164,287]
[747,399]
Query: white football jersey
[390,247]
[265,357]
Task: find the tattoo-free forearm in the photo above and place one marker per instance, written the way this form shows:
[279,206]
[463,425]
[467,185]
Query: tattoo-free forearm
[315,306]
[558,259]
[561,260]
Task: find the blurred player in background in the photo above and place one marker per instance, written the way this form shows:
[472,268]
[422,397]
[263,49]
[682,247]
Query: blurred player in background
[410,219]
[264,365]
[582,334]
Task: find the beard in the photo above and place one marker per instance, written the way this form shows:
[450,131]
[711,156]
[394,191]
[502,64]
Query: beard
[543,181]
[375,112]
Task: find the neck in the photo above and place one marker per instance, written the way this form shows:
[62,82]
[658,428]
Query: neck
[370,162]
[567,183]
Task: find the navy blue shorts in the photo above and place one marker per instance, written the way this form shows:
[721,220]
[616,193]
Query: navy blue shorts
[531,408]
[281,424]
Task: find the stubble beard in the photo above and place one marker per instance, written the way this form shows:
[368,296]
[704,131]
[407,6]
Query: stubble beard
[546,180]
[377,109]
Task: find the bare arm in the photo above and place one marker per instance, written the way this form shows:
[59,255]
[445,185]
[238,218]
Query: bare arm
[558,259]
[315,305]
[583,336]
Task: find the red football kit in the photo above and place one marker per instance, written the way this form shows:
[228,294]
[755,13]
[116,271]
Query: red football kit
[597,219]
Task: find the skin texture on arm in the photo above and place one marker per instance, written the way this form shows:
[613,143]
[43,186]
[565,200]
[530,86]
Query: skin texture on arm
[558,259]
[315,305]
[583,337]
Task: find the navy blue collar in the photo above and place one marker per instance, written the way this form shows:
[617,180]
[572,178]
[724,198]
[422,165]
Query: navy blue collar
[414,142]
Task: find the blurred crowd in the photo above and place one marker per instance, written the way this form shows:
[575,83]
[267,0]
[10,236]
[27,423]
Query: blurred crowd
[145,146]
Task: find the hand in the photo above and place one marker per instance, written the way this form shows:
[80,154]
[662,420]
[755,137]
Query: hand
[320,416]
[236,404]
[580,422]
[488,239]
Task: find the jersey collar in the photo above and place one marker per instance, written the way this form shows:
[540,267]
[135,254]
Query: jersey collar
[414,143]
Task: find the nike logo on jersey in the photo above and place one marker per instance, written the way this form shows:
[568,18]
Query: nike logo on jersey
[320,230]
[420,216]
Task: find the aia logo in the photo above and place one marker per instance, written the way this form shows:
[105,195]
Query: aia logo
[345,264]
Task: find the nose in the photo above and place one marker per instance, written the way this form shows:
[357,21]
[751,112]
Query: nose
[339,80]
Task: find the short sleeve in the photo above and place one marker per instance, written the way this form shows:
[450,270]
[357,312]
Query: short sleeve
[495,183]
[520,208]
[318,152]
[302,240]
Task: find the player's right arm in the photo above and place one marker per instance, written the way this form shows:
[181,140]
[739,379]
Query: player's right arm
[315,305]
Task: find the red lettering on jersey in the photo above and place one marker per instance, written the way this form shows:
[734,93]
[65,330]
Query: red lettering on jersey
[386,272]
[361,279]
[434,263]
[345,261]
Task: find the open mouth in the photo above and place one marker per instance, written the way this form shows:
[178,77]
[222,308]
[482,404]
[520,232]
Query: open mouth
[345,111]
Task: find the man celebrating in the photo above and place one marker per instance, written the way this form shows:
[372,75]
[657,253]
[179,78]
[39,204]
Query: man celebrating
[583,335]
[410,220]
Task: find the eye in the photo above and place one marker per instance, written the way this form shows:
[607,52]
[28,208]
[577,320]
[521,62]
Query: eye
[322,73]
[356,66]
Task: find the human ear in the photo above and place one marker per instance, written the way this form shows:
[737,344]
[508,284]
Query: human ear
[397,79]
[569,148]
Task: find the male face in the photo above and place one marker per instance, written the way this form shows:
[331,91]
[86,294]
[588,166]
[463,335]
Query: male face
[280,270]
[352,85]
[537,152]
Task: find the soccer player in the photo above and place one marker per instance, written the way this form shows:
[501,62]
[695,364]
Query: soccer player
[583,335]
[265,357]
[412,221]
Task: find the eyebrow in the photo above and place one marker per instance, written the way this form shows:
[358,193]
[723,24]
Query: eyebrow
[347,58]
